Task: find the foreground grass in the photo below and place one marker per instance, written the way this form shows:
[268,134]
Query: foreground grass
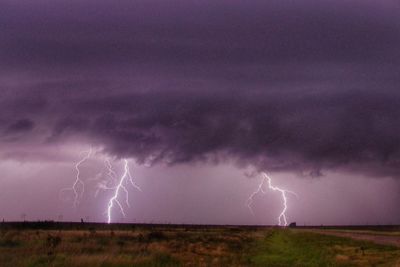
[296,248]
[180,246]
[137,247]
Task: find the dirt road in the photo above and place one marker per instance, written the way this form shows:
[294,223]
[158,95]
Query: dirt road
[376,238]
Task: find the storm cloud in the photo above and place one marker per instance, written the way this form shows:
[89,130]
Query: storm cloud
[285,86]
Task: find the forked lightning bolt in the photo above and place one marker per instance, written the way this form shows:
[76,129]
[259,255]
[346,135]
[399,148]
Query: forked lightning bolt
[126,177]
[282,220]
[78,187]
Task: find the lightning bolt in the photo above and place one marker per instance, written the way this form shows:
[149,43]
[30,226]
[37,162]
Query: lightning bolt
[114,200]
[112,178]
[78,187]
[282,219]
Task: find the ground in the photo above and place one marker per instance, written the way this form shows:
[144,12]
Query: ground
[53,244]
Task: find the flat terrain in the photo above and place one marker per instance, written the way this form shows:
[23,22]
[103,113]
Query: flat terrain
[384,238]
[53,244]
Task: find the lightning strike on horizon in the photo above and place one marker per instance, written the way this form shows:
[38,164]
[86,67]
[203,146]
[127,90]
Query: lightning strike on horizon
[78,187]
[126,176]
[282,219]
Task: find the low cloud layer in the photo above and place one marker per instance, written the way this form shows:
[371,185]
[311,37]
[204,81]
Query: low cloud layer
[284,86]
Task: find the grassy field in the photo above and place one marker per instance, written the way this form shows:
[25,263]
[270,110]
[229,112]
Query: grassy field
[147,245]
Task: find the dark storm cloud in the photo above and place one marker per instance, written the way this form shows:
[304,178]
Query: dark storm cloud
[188,32]
[286,86]
[23,125]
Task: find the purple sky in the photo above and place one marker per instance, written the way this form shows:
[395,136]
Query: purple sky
[201,96]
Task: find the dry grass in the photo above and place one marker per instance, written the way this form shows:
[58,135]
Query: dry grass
[141,247]
[180,246]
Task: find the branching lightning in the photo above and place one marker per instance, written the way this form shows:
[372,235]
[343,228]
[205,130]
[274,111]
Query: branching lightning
[114,200]
[78,187]
[111,183]
[112,179]
[282,219]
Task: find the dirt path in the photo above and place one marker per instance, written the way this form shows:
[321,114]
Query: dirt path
[376,238]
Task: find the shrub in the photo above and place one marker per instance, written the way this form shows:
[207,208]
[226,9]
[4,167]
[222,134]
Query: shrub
[157,236]
[53,241]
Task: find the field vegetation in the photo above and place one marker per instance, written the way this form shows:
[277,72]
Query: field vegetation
[163,245]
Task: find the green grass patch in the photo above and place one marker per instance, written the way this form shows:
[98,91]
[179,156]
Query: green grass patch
[284,247]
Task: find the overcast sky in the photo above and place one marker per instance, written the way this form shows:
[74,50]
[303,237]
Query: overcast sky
[200,97]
